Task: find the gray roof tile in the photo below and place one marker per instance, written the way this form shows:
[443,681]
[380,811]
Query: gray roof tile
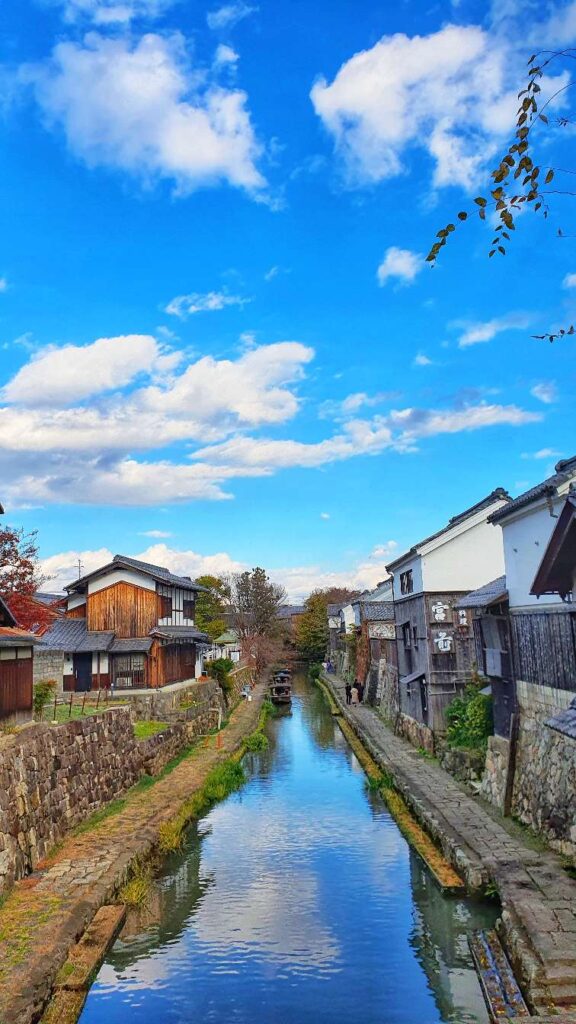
[131,645]
[565,721]
[377,611]
[565,471]
[490,593]
[157,572]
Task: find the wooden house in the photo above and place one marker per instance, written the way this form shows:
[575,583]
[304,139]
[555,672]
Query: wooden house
[16,672]
[434,638]
[128,625]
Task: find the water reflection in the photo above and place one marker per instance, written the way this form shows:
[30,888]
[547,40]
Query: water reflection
[297,900]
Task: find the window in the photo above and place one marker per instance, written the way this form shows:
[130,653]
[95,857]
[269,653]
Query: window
[406,582]
[188,609]
[165,607]
[407,635]
[415,636]
[407,641]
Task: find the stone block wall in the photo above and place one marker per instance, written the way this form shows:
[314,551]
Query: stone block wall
[388,690]
[49,665]
[544,793]
[54,777]
[465,765]
[418,734]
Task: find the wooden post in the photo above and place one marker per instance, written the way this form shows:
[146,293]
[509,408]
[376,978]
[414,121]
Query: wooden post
[511,772]
[83,705]
[70,710]
[55,699]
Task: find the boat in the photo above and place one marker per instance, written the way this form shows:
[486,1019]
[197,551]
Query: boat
[280,689]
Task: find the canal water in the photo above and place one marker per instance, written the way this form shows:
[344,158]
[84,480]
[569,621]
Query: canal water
[295,900]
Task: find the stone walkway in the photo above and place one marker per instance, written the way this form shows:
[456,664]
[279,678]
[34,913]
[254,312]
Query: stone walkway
[45,914]
[538,897]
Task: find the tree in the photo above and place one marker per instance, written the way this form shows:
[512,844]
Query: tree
[211,605]
[519,180]
[255,601]
[312,627]
[19,563]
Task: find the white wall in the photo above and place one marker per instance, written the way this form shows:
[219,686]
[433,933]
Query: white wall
[466,560]
[526,538]
[413,563]
[347,613]
[178,597]
[103,662]
[76,601]
[121,576]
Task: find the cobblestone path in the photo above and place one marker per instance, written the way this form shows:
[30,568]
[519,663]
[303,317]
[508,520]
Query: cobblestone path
[538,897]
[44,914]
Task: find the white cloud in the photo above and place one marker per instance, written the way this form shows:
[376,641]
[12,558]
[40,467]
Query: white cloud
[207,400]
[299,581]
[186,305]
[3,284]
[545,391]
[401,264]
[272,273]
[67,374]
[324,515]
[477,332]
[229,15]
[225,55]
[111,12]
[570,279]
[156,534]
[422,360]
[344,409]
[542,453]
[419,91]
[63,568]
[141,107]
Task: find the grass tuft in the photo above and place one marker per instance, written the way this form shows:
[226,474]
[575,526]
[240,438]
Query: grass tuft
[143,730]
[136,891]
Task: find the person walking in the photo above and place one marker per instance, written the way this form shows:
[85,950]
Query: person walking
[360,691]
[348,690]
[355,696]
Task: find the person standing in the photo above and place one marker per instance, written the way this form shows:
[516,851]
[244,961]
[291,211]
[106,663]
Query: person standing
[355,695]
[348,690]
[360,691]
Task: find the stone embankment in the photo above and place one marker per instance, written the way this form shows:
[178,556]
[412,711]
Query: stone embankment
[54,777]
[44,914]
[538,897]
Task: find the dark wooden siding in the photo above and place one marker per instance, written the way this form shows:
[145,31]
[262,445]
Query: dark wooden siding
[15,686]
[124,608]
[544,648]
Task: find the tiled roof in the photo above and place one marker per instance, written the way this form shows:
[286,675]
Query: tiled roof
[157,572]
[490,593]
[11,636]
[565,471]
[64,635]
[377,611]
[179,633]
[95,641]
[286,611]
[229,637]
[133,645]
[499,494]
[565,721]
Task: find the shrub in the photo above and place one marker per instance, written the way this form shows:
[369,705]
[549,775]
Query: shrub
[470,721]
[256,742]
[220,670]
[315,670]
[43,691]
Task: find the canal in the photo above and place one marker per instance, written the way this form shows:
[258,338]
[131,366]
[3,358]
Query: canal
[295,900]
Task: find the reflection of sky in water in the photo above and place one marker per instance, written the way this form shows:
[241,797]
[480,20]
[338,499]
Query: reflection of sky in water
[296,900]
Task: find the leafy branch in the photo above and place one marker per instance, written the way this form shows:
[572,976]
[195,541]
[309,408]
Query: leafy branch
[518,182]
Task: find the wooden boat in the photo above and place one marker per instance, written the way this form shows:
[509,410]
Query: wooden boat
[280,689]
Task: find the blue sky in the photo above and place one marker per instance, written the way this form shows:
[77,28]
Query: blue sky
[219,343]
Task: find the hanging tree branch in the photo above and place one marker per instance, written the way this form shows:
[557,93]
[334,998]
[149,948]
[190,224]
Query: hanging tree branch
[518,182]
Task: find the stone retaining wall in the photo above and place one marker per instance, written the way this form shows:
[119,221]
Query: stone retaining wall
[465,765]
[544,793]
[416,733]
[49,665]
[54,777]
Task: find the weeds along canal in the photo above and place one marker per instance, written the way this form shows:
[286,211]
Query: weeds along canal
[295,900]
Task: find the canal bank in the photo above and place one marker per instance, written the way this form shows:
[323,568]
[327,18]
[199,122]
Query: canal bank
[45,914]
[538,922]
[296,901]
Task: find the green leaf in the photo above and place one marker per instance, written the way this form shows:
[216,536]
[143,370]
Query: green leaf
[543,118]
[491,253]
